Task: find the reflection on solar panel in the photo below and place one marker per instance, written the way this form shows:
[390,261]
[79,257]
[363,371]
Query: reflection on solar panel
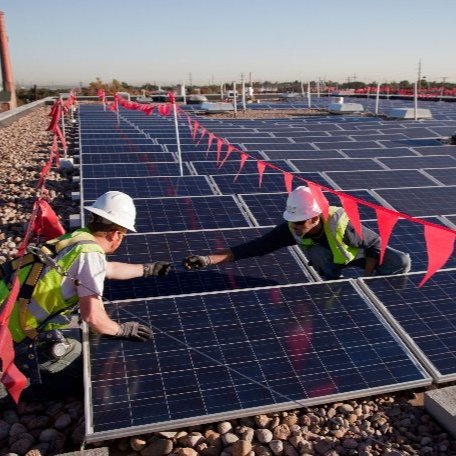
[128,157]
[188,213]
[242,353]
[109,170]
[267,208]
[421,202]
[248,183]
[424,317]
[382,178]
[430,161]
[274,269]
[445,176]
[408,237]
[148,187]
[339,164]
[232,167]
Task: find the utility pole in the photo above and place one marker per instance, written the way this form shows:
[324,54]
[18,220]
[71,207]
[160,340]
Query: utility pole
[419,75]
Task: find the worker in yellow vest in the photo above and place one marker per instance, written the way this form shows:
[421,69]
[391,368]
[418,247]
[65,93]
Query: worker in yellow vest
[69,272]
[330,245]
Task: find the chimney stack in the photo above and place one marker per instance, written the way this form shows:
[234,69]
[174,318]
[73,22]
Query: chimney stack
[7,71]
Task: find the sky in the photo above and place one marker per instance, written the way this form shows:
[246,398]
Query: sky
[215,41]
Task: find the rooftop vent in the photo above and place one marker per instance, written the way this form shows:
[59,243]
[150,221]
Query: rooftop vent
[409,113]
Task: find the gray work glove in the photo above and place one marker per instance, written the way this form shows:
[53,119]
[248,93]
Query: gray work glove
[132,330]
[194,262]
[159,268]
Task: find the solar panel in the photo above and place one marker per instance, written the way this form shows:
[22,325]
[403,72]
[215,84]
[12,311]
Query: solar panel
[293,154]
[85,150]
[128,157]
[118,141]
[188,213]
[148,187]
[232,167]
[421,202]
[277,268]
[108,170]
[336,164]
[249,183]
[409,143]
[451,219]
[381,178]
[447,176]
[267,208]
[372,153]
[430,161]
[425,317]
[204,156]
[346,145]
[215,356]
[436,150]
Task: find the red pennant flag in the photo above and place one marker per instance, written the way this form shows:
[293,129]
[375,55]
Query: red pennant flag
[209,142]
[244,158]
[288,179]
[203,133]
[196,126]
[261,167]
[148,109]
[219,149]
[164,110]
[56,113]
[230,149]
[351,209]
[171,98]
[46,224]
[317,193]
[440,245]
[385,221]
[59,133]
[190,124]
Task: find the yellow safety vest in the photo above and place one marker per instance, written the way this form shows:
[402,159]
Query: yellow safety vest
[334,227]
[47,298]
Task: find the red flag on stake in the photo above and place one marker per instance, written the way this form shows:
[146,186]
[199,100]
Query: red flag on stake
[196,126]
[440,245]
[171,98]
[320,198]
[209,142]
[203,133]
[190,123]
[244,158]
[351,208]
[261,167]
[46,224]
[385,221]
[219,149]
[230,149]
[288,179]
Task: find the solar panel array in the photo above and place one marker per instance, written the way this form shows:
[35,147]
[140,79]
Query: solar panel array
[257,335]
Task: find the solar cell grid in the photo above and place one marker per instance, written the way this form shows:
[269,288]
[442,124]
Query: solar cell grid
[259,349]
[109,170]
[188,213]
[409,143]
[436,150]
[421,202]
[381,178]
[148,187]
[274,269]
[346,145]
[297,154]
[430,161]
[232,167]
[447,176]
[336,164]
[249,183]
[128,157]
[118,141]
[121,148]
[424,316]
[373,153]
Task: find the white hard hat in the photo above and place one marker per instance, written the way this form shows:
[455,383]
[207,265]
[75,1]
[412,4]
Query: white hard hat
[117,207]
[301,205]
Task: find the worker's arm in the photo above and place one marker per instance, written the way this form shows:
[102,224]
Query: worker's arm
[94,314]
[125,271]
[279,237]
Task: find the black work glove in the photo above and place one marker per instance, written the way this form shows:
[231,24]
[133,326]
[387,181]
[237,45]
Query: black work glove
[159,268]
[132,330]
[194,262]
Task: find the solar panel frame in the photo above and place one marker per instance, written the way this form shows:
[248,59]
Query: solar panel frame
[388,359]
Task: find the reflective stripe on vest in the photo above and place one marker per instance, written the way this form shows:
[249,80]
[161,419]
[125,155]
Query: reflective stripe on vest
[47,297]
[334,228]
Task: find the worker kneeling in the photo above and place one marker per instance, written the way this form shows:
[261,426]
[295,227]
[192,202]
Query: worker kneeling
[330,245]
[68,272]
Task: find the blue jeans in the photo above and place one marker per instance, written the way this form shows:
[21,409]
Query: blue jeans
[321,258]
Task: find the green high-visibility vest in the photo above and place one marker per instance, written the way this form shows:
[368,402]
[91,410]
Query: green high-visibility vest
[47,298]
[334,227]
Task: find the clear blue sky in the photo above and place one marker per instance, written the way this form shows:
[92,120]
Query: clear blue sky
[162,41]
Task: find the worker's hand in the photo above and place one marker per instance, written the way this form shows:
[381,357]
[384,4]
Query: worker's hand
[132,330]
[194,262]
[159,268]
